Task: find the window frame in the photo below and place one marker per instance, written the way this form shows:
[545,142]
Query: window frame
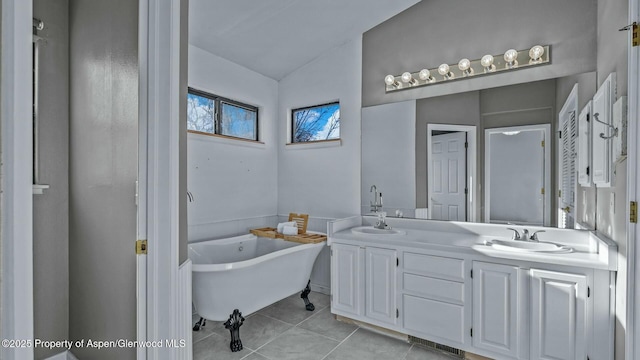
[217,115]
[293,128]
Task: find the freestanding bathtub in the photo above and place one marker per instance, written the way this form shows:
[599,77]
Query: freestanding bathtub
[247,273]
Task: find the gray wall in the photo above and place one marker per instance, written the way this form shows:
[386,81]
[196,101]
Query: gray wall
[51,210]
[458,109]
[436,31]
[103,170]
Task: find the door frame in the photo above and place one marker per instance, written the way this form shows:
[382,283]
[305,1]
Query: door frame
[16,198]
[546,128]
[471,199]
[162,84]
[632,338]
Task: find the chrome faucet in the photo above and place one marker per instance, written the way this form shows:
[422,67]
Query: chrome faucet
[516,234]
[381,223]
[534,236]
[376,203]
[525,235]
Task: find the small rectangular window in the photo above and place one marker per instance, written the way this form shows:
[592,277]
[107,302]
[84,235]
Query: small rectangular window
[316,123]
[207,113]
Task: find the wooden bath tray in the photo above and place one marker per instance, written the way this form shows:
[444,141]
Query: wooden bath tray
[270,232]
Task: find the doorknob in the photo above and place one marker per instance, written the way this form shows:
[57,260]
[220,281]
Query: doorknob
[567,209]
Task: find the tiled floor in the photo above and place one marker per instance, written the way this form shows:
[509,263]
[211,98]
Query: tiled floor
[287,331]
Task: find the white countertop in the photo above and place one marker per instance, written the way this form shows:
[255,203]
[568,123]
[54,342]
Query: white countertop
[589,250]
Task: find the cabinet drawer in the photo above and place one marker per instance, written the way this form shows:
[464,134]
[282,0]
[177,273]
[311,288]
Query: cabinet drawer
[435,266]
[434,319]
[444,290]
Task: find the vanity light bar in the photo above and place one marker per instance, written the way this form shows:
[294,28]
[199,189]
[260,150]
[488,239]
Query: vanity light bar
[489,64]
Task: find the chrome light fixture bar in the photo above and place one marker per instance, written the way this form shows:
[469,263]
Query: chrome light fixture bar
[489,64]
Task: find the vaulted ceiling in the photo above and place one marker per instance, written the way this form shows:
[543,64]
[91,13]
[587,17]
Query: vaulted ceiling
[276,37]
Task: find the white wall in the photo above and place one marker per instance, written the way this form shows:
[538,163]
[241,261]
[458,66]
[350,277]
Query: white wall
[234,183]
[323,182]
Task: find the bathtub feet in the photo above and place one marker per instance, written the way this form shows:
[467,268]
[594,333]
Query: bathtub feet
[305,297]
[233,324]
[199,324]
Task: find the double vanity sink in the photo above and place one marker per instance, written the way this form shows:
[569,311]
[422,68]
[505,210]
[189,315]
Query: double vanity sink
[497,244]
[470,287]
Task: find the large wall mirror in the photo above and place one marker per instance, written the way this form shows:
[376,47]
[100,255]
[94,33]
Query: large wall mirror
[483,156]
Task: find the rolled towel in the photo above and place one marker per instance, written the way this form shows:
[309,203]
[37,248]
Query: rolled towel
[290,230]
[282,225]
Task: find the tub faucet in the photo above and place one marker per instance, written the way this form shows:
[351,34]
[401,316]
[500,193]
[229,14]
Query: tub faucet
[375,205]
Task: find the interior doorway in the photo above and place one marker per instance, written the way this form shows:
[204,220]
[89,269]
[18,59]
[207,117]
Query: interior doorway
[517,175]
[451,169]
[448,163]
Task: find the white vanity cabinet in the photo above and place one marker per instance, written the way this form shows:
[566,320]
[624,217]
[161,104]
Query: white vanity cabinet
[364,283]
[497,307]
[347,279]
[380,285]
[497,297]
[558,315]
[433,298]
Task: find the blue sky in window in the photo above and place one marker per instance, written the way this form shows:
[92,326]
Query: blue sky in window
[317,123]
[200,112]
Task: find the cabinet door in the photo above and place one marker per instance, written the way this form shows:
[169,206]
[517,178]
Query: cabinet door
[346,280]
[495,308]
[558,313]
[380,285]
[584,146]
[602,115]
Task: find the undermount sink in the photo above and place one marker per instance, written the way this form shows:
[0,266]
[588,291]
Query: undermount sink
[529,246]
[370,230]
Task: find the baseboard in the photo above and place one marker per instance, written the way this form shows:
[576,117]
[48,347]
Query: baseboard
[320,289]
[65,355]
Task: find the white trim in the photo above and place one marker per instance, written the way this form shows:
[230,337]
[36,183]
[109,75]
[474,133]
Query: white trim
[213,138]
[547,167]
[313,144]
[16,199]
[472,198]
[632,336]
[141,183]
[160,131]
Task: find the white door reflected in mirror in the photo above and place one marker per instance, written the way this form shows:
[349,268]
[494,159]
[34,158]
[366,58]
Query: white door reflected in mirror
[448,161]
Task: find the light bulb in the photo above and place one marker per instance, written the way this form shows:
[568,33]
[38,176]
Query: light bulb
[408,78]
[389,80]
[444,71]
[510,57]
[486,60]
[535,54]
[487,63]
[465,66]
[425,75]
